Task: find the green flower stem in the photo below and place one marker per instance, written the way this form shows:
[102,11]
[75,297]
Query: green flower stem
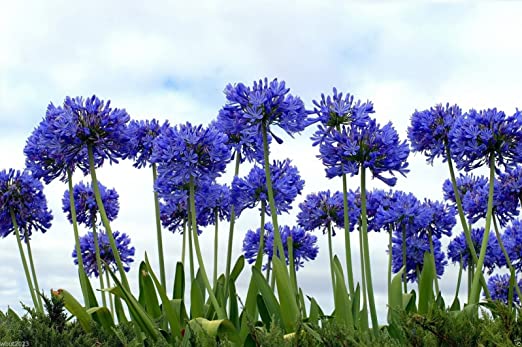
[219,310]
[390,253]
[459,279]
[506,255]
[475,287]
[363,271]
[24,263]
[111,302]
[268,273]
[347,246]
[366,247]
[293,276]
[278,243]
[436,279]
[191,250]
[231,227]
[184,242]
[98,260]
[159,234]
[261,250]
[79,256]
[33,271]
[330,254]
[465,228]
[216,244]
[404,278]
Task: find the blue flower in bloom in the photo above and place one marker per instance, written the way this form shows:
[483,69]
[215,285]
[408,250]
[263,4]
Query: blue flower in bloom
[416,246]
[268,103]
[22,193]
[303,243]
[322,209]
[370,146]
[86,206]
[242,136]
[376,200]
[404,212]
[512,239]
[334,111]
[286,184]
[441,218]
[480,134]
[430,129]
[88,250]
[458,249]
[174,211]
[511,182]
[474,192]
[141,139]
[212,198]
[186,151]
[61,140]
[498,286]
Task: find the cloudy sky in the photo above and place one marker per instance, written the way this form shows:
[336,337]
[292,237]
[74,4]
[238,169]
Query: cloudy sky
[172,61]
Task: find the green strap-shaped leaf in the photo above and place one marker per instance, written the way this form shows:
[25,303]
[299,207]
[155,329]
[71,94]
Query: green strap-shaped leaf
[75,308]
[343,304]
[87,289]
[197,303]
[268,296]
[120,312]
[427,276]
[104,317]
[315,311]
[287,296]
[395,294]
[179,282]
[238,267]
[148,292]
[216,328]
[233,310]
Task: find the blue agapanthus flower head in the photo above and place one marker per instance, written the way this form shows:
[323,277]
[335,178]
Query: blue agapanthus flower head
[249,191]
[458,249]
[511,182]
[498,286]
[243,137]
[268,103]
[441,218]
[477,135]
[142,134]
[186,151]
[323,209]
[430,129]
[303,243]
[86,206]
[370,146]
[416,246]
[174,210]
[212,198]
[336,110]
[512,239]
[87,247]
[474,193]
[22,193]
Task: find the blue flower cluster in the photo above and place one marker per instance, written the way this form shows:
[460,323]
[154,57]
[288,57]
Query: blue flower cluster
[186,151]
[88,250]
[512,240]
[477,135]
[334,111]
[429,130]
[141,140]
[212,198]
[498,286]
[303,243]
[249,191]
[61,139]
[22,193]
[86,206]
[458,249]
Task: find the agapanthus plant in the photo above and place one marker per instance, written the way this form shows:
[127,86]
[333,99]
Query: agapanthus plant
[499,288]
[248,192]
[23,210]
[86,206]
[142,134]
[87,247]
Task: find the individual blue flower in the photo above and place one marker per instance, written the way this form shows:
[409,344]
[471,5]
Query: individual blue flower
[286,184]
[22,193]
[186,151]
[512,240]
[141,139]
[323,209]
[458,249]
[88,250]
[416,246]
[212,198]
[86,206]
[480,134]
[242,136]
[474,193]
[369,146]
[303,243]
[268,103]
[429,130]
[498,286]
